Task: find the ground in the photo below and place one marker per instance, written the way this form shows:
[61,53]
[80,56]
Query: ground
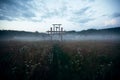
[66,60]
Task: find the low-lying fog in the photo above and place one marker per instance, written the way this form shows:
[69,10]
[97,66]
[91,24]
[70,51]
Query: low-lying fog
[68,37]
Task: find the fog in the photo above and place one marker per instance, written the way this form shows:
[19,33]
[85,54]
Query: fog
[68,37]
[91,37]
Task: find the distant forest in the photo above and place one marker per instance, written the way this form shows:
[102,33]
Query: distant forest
[11,33]
[115,30]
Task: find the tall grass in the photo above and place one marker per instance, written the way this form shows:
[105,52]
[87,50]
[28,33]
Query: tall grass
[87,60]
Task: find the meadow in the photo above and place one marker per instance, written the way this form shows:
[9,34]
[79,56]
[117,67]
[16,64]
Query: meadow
[54,60]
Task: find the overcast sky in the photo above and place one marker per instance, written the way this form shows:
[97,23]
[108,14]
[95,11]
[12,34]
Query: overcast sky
[39,15]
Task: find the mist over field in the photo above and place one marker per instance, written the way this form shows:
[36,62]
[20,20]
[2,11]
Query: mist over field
[70,37]
[104,34]
[91,37]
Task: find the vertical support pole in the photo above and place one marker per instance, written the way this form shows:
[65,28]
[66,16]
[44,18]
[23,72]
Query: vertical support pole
[53,29]
[51,33]
[61,33]
[56,29]
[59,28]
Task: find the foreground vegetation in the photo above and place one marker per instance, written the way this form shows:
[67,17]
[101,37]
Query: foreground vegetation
[74,60]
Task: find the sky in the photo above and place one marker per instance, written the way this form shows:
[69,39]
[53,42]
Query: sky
[39,15]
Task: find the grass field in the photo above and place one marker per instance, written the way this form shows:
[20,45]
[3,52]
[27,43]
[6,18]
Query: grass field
[70,60]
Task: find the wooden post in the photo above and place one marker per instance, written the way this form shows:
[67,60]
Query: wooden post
[51,33]
[61,33]
[53,29]
[57,30]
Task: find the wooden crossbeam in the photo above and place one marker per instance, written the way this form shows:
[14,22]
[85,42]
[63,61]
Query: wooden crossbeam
[56,29]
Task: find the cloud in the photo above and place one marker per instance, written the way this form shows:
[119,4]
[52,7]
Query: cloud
[82,11]
[110,22]
[74,12]
[15,9]
[5,18]
[92,0]
[89,0]
[85,20]
[37,10]
[82,16]
[116,15]
[49,14]
[82,20]
[32,10]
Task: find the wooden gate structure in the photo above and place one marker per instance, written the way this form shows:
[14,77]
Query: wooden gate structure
[56,32]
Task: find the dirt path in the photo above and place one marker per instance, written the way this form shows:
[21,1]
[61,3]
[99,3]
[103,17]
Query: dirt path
[61,64]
